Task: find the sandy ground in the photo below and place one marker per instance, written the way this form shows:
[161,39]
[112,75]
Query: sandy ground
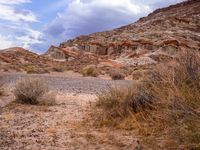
[58,127]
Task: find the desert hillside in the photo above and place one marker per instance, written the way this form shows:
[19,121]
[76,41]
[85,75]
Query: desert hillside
[136,87]
[152,39]
[159,37]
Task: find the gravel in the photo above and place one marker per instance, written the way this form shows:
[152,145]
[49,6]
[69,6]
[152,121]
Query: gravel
[87,85]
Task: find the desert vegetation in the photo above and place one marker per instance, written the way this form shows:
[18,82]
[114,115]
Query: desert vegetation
[58,69]
[117,74]
[1,87]
[147,95]
[33,91]
[167,99]
[119,102]
[36,70]
[90,70]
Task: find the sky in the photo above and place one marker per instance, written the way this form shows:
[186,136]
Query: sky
[38,24]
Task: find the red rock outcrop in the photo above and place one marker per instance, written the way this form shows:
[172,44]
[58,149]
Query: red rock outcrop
[159,37]
[166,31]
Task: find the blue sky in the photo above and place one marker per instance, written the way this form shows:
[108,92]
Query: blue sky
[37,24]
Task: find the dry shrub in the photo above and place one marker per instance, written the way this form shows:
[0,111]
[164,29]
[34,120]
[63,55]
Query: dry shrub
[5,69]
[48,99]
[117,74]
[35,70]
[138,74]
[90,70]
[177,80]
[187,77]
[178,101]
[1,86]
[58,69]
[30,91]
[166,102]
[121,101]
[15,67]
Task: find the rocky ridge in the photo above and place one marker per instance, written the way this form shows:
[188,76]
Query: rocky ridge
[20,59]
[157,37]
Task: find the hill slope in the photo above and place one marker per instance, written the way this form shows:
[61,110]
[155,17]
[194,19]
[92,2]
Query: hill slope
[179,21]
[154,38]
[160,111]
[151,40]
[20,59]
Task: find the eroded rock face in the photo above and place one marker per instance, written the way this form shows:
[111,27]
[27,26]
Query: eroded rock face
[55,53]
[166,30]
[95,48]
[159,37]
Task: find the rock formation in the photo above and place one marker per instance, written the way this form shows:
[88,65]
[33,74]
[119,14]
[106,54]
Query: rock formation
[162,34]
[159,37]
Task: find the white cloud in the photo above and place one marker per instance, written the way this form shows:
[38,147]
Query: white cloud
[5,42]
[23,38]
[11,2]
[9,11]
[88,16]
[30,38]
[125,6]
[15,25]
[77,17]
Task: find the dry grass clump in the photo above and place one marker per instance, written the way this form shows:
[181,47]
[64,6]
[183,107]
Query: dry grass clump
[1,86]
[120,102]
[187,77]
[32,91]
[58,69]
[48,99]
[117,74]
[178,102]
[177,80]
[35,70]
[165,102]
[140,74]
[90,70]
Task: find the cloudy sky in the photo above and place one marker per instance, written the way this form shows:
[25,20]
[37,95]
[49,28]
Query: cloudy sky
[36,24]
